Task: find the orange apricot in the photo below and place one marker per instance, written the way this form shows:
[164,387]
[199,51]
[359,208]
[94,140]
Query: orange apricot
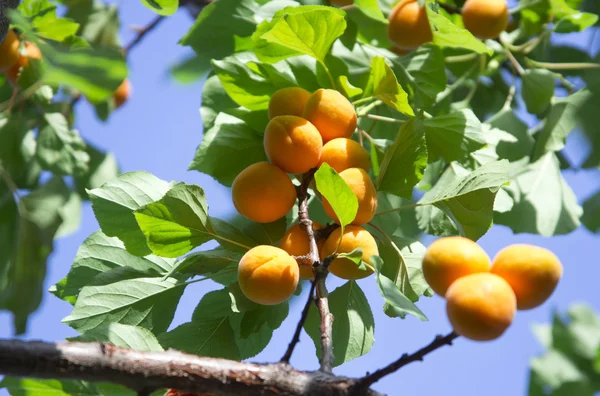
[292,144]
[31,52]
[288,101]
[295,242]
[353,237]
[532,272]
[409,26]
[268,275]
[399,51]
[122,93]
[361,185]
[332,114]
[263,193]
[343,153]
[450,258]
[9,50]
[480,306]
[485,19]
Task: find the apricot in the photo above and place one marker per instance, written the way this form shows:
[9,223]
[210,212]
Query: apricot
[268,275]
[343,153]
[122,93]
[353,237]
[295,243]
[263,193]
[485,19]
[399,51]
[9,50]
[532,272]
[450,258]
[288,101]
[361,185]
[480,306]
[31,52]
[409,26]
[331,113]
[293,144]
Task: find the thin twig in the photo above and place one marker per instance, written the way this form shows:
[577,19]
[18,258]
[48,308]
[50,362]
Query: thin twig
[296,338]
[405,359]
[449,8]
[563,66]
[513,60]
[141,33]
[384,119]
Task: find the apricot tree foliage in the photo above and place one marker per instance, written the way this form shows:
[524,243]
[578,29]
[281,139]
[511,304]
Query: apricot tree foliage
[450,155]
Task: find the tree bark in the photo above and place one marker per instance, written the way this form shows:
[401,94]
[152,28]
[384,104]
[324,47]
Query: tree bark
[157,370]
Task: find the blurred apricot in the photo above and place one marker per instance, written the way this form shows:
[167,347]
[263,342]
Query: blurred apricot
[409,26]
[485,19]
[9,50]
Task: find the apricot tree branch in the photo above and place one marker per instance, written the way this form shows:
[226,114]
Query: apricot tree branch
[290,349]
[439,341]
[145,371]
[320,271]
[449,8]
[142,32]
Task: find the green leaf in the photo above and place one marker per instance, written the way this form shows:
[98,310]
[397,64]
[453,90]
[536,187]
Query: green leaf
[208,262]
[371,9]
[96,73]
[214,101]
[293,31]
[591,213]
[396,303]
[162,7]
[218,24]
[576,22]
[125,336]
[211,337]
[98,22]
[404,161]
[70,213]
[468,200]
[537,89]
[339,195]
[230,237]
[115,202]
[228,138]
[353,327]
[49,387]
[265,233]
[42,14]
[177,223]
[447,34]
[355,256]
[102,168]
[100,254]
[383,85]
[543,201]
[563,118]
[346,88]
[402,264]
[453,136]
[145,302]
[60,149]
[17,151]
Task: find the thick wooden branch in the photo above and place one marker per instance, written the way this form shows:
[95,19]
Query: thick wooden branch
[143,371]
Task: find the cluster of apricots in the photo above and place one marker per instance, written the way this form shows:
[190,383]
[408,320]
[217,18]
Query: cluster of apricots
[14,59]
[482,297]
[409,26]
[305,130]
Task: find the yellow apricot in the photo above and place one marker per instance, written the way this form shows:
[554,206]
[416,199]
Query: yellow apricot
[399,51]
[485,19]
[343,153]
[293,144]
[354,237]
[268,275]
[409,25]
[480,306]
[263,193]
[31,52]
[331,113]
[361,185]
[122,93]
[450,258]
[9,50]
[532,272]
[288,101]
[295,242]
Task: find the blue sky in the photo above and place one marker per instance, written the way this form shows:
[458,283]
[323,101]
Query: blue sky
[158,131]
